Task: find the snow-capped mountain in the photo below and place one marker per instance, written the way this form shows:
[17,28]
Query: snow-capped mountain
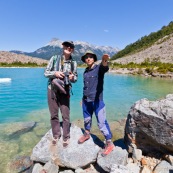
[55,45]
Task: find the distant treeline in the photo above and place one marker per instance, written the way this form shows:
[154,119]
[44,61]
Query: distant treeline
[145,41]
[150,67]
[20,64]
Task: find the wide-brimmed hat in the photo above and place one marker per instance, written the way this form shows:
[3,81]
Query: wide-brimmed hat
[89,52]
[68,44]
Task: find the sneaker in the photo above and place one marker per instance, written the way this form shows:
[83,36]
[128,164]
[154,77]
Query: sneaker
[66,143]
[53,148]
[108,149]
[83,138]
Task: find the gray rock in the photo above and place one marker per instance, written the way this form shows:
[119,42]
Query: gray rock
[74,156]
[118,156]
[137,155]
[146,169]
[37,168]
[118,169]
[90,169]
[79,170]
[163,167]
[133,167]
[150,125]
[66,171]
[51,168]
[169,158]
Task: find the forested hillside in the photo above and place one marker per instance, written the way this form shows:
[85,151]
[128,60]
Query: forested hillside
[147,41]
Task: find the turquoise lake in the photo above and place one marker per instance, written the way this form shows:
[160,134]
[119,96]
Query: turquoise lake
[25,97]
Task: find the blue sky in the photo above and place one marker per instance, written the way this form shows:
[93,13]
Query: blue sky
[27,25]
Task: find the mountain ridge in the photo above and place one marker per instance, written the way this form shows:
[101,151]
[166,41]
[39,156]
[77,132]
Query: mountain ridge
[55,47]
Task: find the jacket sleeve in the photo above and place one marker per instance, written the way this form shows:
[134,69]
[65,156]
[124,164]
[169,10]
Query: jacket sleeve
[50,71]
[103,69]
[75,71]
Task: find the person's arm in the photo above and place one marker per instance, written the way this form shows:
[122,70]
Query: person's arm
[104,66]
[50,71]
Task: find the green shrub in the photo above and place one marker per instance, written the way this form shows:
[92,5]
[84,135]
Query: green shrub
[149,70]
[20,64]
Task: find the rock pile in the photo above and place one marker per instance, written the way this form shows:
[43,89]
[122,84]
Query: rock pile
[75,156]
[148,137]
[149,131]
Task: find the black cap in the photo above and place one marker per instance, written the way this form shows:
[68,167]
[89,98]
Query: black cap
[68,44]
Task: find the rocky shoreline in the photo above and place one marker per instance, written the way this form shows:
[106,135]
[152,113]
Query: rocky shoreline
[144,146]
[142,72]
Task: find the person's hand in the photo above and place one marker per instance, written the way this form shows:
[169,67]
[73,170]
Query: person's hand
[59,74]
[71,77]
[105,57]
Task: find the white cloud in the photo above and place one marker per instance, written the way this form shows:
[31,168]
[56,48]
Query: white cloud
[106,30]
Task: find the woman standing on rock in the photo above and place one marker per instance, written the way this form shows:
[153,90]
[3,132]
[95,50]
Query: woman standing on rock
[61,71]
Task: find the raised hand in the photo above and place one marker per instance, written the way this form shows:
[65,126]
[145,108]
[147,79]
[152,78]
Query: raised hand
[105,57]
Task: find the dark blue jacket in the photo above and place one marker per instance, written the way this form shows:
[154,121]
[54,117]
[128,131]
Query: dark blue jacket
[93,82]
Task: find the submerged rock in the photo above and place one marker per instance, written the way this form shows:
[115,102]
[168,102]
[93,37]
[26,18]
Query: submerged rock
[13,130]
[20,164]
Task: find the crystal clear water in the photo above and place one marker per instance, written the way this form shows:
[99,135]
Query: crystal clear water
[25,96]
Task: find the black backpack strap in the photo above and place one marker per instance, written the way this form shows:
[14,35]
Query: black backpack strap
[72,65]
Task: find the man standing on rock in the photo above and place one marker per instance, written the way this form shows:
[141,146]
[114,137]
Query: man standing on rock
[93,99]
[61,71]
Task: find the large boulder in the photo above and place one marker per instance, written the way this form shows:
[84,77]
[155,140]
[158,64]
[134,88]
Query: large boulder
[74,156]
[149,125]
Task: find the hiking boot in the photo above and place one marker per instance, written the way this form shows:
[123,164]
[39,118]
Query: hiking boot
[54,141]
[108,148]
[53,147]
[66,143]
[83,138]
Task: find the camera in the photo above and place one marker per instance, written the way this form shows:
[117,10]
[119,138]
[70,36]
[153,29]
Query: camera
[66,78]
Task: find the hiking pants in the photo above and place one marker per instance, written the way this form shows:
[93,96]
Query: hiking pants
[98,107]
[62,102]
